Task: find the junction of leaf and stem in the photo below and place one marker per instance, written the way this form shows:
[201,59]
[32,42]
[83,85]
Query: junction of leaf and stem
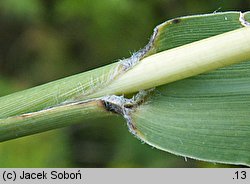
[125,106]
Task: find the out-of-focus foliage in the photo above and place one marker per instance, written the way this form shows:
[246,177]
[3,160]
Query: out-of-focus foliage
[43,40]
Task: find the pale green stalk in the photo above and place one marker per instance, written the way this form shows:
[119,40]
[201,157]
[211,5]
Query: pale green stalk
[185,61]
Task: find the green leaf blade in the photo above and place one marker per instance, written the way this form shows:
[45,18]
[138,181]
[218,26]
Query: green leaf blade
[209,128]
[204,117]
[188,29]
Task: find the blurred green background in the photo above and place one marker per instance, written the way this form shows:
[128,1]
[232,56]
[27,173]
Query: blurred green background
[44,40]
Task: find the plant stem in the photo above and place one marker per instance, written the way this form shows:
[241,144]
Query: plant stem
[185,61]
[56,92]
[56,117]
[161,68]
[22,113]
